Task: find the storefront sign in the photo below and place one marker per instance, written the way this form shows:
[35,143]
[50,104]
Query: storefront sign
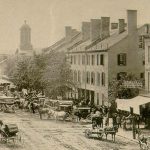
[133,84]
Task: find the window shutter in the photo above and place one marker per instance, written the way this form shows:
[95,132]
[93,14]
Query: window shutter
[118,59]
[102,59]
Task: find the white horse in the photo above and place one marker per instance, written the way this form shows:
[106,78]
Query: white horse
[60,115]
[51,112]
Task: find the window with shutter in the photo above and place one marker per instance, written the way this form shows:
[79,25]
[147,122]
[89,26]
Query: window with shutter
[103,79]
[122,59]
[102,59]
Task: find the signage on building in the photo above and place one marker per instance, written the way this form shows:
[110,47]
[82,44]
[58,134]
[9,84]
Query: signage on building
[133,84]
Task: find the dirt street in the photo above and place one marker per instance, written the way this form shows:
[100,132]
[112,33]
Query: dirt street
[50,135]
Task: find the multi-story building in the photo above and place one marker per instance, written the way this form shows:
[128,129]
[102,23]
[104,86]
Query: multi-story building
[102,55]
[99,54]
[147,64]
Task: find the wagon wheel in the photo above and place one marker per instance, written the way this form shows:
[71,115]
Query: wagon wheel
[20,138]
[144,146]
[87,133]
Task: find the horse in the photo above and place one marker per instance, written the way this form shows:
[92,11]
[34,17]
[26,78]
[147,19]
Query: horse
[43,111]
[60,114]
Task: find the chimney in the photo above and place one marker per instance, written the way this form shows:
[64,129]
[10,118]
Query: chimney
[121,25]
[74,32]
[114,26]
[68,32]
[85,30]
[132,21]
[95,29]
[105,25]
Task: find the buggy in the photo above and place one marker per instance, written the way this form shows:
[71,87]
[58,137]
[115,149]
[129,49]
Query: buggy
[10,132]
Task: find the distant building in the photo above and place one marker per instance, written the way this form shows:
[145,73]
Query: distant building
[26,48]
[98,55]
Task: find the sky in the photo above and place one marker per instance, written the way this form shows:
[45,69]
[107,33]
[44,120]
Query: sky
[47,18]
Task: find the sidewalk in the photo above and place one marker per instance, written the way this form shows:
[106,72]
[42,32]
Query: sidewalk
[126,134]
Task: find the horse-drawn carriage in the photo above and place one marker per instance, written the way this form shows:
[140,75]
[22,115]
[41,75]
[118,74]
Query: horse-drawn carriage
[82,113]
[7,104]
[10,132]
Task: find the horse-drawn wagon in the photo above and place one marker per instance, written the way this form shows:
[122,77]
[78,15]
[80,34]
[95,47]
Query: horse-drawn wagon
[100,132]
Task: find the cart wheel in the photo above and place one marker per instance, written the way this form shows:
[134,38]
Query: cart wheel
[144,146]
[87,133]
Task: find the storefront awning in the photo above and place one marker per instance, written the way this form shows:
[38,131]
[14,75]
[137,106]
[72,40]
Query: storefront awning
[135,103]
[2,81]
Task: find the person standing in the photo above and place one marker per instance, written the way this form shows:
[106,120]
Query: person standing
[32,107]
[114,119]
[118,120]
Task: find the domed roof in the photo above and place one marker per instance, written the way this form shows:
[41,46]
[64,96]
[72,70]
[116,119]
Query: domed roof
[25,26]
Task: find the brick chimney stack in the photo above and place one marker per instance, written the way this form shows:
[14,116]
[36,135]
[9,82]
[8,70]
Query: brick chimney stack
[68,32]
[95,29]
[105,27]
[85,30]
[121,25]
[132,21]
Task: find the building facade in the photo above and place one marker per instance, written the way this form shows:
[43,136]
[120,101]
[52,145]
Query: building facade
[100,53]
[107,55]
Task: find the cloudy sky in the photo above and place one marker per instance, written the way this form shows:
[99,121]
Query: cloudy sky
[47,18]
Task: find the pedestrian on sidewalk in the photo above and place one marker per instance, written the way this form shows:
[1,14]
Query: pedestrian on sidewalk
[137,120]
[118,120]
[114,119]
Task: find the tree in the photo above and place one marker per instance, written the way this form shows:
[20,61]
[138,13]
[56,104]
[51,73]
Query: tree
[35,72]
[28,72]
[57,76]
[20,75]
[118,90]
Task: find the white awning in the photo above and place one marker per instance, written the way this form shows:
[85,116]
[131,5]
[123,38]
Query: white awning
[2,81]
[125,104]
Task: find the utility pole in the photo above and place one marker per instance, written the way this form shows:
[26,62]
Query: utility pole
[133,123]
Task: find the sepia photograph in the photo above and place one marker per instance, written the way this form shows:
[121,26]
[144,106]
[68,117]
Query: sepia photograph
[74,75]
